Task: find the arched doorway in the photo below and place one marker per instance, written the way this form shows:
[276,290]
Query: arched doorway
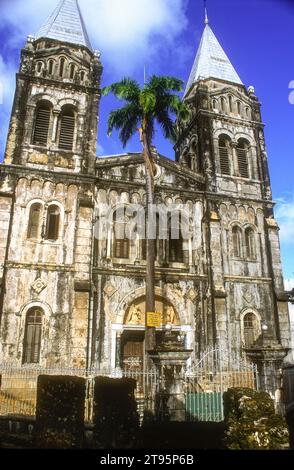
[133,337]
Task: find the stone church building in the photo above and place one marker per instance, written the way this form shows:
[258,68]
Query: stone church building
[70,300]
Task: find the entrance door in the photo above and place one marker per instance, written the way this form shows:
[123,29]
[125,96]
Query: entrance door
[133,358]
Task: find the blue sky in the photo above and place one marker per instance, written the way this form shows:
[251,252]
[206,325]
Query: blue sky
[163,35]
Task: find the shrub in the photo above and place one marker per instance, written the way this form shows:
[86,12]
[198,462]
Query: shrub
[251,422]
[116,421]
[60,411]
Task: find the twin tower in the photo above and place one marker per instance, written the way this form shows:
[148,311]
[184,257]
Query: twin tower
[70,300]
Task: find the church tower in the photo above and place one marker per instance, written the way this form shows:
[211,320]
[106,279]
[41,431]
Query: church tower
[224,142]
[47,197]
[54,117]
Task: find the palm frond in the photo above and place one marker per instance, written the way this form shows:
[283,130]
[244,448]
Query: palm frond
[164,84]
[127,119]
[127,89]
[166,123]
[147,101]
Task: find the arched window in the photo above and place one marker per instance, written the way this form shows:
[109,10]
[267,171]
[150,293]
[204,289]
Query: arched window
[224,154]
[82,75]
[32,337]
[72,71]
[66,128]
[175,240]
[237,241]
[250,243]
[250,328]
[34,220]
[42,121]
[231,104]
[223,104]
[242,154]
[214,104]
[50,66]
[39,67]
[247,112]
[53,222]
[61,66]
[121,242]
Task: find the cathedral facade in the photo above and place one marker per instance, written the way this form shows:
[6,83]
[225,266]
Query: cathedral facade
[70,299]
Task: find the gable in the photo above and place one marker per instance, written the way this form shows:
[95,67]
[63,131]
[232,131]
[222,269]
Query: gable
[130,168]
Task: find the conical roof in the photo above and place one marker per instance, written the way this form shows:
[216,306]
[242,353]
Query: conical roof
[66,24]
[211,61]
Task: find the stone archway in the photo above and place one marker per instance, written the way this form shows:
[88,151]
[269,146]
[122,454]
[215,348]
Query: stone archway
[135,312]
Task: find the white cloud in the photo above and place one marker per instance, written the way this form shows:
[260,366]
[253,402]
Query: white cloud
[124,30]
[289,283]
[285,217]
[129,33]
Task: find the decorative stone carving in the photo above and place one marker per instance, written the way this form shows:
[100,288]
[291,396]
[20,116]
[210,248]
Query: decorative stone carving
[109,289]
[135,316]
[192,294]
[38,286]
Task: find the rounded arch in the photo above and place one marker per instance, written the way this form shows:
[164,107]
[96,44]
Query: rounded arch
[223,132]
[39,97]
[35,304]
[244,137]
[68,102]
[34,200]
[131,297]
[250,320]
[135,312]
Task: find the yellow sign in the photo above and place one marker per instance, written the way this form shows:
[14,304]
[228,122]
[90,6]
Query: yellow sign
[153,319]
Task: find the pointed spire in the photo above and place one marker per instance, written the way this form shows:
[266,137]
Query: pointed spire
[206,15]
[211,60]
[66,24]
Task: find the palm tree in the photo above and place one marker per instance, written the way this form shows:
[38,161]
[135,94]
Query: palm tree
[157,102]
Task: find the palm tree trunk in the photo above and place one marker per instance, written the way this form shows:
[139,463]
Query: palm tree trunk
[150,243]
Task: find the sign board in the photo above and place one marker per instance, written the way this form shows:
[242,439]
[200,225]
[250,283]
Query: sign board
[153,319]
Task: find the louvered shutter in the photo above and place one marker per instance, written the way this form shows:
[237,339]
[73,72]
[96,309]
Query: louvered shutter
[224,160]
[41,126]
[243,162]
[67,128]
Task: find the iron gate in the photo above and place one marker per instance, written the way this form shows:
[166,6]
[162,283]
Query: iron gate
[208,379]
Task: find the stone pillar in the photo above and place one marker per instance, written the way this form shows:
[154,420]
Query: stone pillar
[268,355]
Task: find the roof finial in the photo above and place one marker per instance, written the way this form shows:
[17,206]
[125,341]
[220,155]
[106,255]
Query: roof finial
[206,16]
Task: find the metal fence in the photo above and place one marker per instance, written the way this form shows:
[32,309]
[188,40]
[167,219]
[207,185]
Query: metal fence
[194,394]
[213,375]
[18,392]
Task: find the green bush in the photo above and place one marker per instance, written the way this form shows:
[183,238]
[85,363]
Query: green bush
[251,422]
